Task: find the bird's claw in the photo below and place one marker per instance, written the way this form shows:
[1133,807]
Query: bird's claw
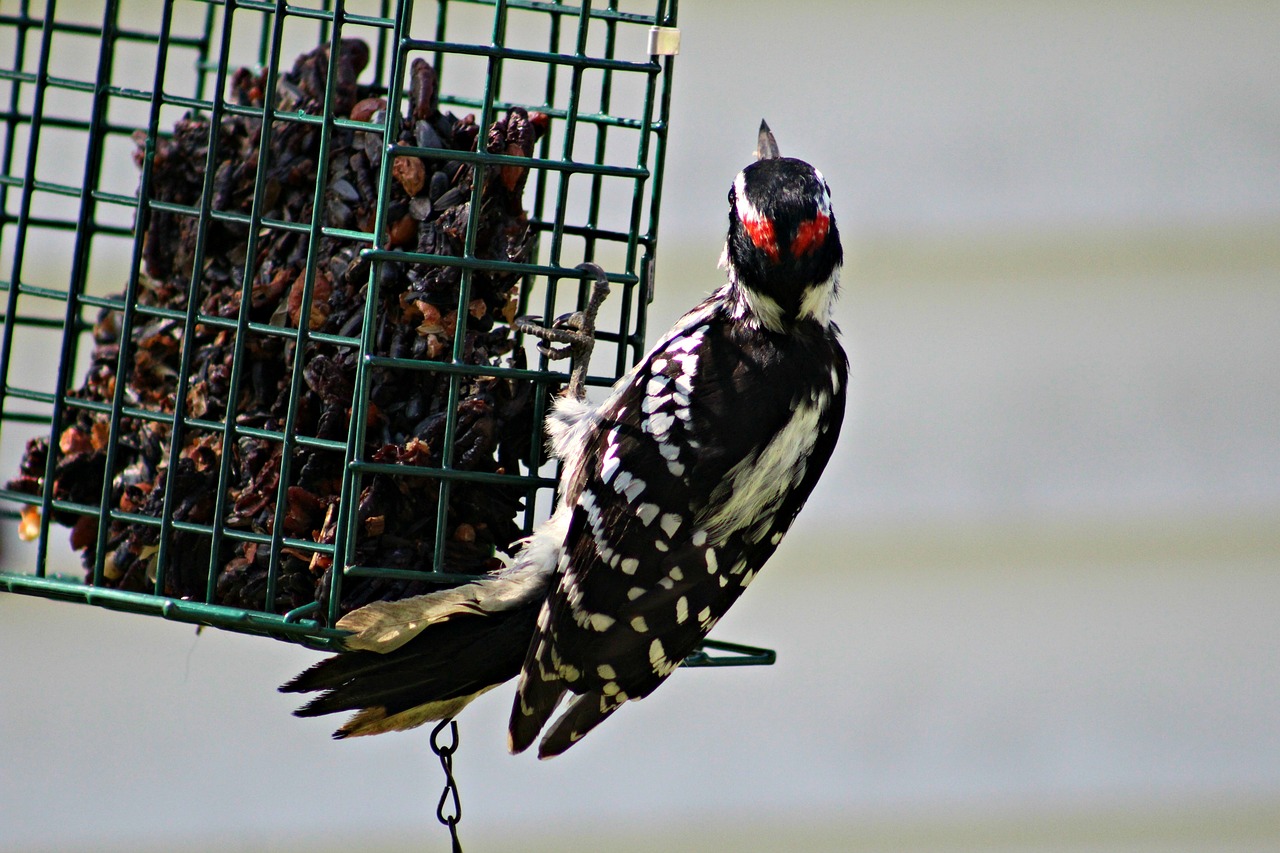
[565,330]
[574,332]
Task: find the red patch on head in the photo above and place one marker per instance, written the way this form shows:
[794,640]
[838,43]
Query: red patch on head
[760,230]
[811,234]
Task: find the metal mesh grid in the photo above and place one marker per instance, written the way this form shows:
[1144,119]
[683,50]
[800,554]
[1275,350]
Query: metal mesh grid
[87,82]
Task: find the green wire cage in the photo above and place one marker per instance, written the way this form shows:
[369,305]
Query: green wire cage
[260,263]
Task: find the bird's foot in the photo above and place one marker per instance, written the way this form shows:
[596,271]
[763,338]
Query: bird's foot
[574,332]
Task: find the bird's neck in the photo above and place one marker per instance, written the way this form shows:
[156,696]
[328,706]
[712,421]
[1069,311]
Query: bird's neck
[756,307]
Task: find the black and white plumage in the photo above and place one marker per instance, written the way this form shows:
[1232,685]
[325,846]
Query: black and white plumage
[674,492]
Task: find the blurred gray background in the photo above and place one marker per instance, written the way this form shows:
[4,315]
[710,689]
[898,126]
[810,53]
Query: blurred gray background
[1033,604]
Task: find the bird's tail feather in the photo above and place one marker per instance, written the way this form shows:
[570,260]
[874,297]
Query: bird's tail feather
[424,658]
[432,676]
[385,626]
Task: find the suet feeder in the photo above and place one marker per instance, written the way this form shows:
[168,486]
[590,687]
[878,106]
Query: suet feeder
[260,262]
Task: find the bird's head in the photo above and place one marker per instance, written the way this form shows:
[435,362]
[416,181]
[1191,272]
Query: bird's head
[783,250]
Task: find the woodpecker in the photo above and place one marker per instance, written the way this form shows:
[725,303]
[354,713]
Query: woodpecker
[674,492]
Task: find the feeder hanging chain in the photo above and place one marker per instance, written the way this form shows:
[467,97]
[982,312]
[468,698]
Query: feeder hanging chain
[449,809]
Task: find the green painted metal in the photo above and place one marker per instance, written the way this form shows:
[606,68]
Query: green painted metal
[592,77]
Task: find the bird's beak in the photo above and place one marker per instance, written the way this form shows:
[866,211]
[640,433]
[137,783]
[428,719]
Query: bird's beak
[766,145]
